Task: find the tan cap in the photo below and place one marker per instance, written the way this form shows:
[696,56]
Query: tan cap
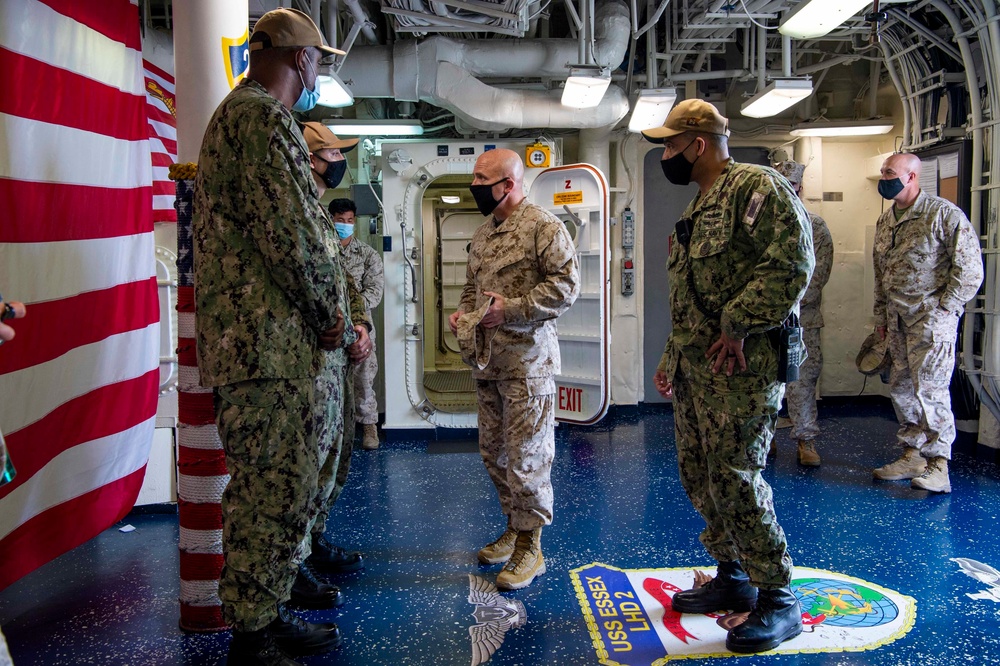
[288,27]
[318,137]
[691,115]
[874,358]
[792,171]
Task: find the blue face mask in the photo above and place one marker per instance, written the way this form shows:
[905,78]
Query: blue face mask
[344,230]
[890,189]
[307,98]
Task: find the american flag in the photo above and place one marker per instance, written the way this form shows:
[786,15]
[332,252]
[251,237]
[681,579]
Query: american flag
[161,107]
[79,384]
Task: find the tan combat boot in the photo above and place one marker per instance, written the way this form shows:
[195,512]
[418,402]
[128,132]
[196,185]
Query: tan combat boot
[525,563]
[935,477]
[370,439]
[501,549]
[808,457]
[909,466]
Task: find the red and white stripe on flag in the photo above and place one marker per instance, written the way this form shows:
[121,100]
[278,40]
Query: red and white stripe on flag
[79,383]
[161,107]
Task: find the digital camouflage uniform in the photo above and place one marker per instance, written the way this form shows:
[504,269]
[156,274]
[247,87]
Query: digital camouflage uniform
[265,287]
[334,395]
[531,261]
[751,257]
[364,265]
[928,264]
[801,394]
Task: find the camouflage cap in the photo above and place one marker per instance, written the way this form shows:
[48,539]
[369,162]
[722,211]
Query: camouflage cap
[691,115]
[472,339]
[791,170]
[318,137]
[288,27]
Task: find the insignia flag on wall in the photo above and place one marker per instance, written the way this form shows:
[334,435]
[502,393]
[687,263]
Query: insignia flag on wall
[79,383]
[161,107]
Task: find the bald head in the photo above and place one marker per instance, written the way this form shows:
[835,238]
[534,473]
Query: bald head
[503,170]
[906,168]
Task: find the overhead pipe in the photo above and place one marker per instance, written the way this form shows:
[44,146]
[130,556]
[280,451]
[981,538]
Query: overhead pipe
[412,70]
[361,18]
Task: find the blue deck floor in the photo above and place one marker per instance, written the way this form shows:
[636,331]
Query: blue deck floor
[419,516]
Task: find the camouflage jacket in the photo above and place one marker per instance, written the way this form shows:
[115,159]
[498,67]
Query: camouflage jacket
[750,258]
[531,261]
[811,314]
[265,282]
[365,266]
[930,258]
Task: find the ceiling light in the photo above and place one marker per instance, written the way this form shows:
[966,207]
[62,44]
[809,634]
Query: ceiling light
[585,87]
[373,127]
[651,108]
[815,18]
[842,128]
[332,91]
[776,97]
[450,198]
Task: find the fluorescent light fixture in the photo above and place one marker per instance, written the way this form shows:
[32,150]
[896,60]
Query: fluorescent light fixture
[450,198]
[651,108]
[585,87]
[842,128]
[332,91]
[373,127]
[776,97]
[815,18]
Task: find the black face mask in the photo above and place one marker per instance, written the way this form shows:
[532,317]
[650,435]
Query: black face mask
[890,189]
[677,169]
[483,194]
[334,171]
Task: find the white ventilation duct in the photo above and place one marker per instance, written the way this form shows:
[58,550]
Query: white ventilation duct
[444,72]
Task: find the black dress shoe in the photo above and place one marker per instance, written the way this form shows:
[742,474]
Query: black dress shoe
[308,591]
[776,618]
[330,559]
[729,590]
[299,638]
[256,648]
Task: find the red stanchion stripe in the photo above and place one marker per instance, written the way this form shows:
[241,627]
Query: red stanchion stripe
[100,413]
[201,462]
[187,352]
[198,516]
[200,566]
[185,299]
[94,316]
[196,408]
[202,619]
[43,214]
[65,526]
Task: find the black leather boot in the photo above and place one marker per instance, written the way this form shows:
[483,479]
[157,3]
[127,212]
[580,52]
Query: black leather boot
[299,638]
[729,590]
[256,648]
[776,618]
[331,559]
[308,591]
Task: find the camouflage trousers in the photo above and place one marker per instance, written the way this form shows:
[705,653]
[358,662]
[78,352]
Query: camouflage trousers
[517,421]
[923,358]
[801,394]
[335,446]
[722,442]
[267,427]
[365,403]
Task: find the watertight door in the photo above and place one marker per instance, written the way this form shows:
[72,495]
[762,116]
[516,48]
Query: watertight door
[578,195]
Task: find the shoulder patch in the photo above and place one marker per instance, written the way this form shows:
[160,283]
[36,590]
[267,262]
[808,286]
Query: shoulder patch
[753,209]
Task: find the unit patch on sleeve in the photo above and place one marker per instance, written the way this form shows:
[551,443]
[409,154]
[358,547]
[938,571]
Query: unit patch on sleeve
[753,209]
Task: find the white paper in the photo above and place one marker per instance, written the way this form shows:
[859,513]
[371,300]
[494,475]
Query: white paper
[126,528]
[948,166]
[929,176]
